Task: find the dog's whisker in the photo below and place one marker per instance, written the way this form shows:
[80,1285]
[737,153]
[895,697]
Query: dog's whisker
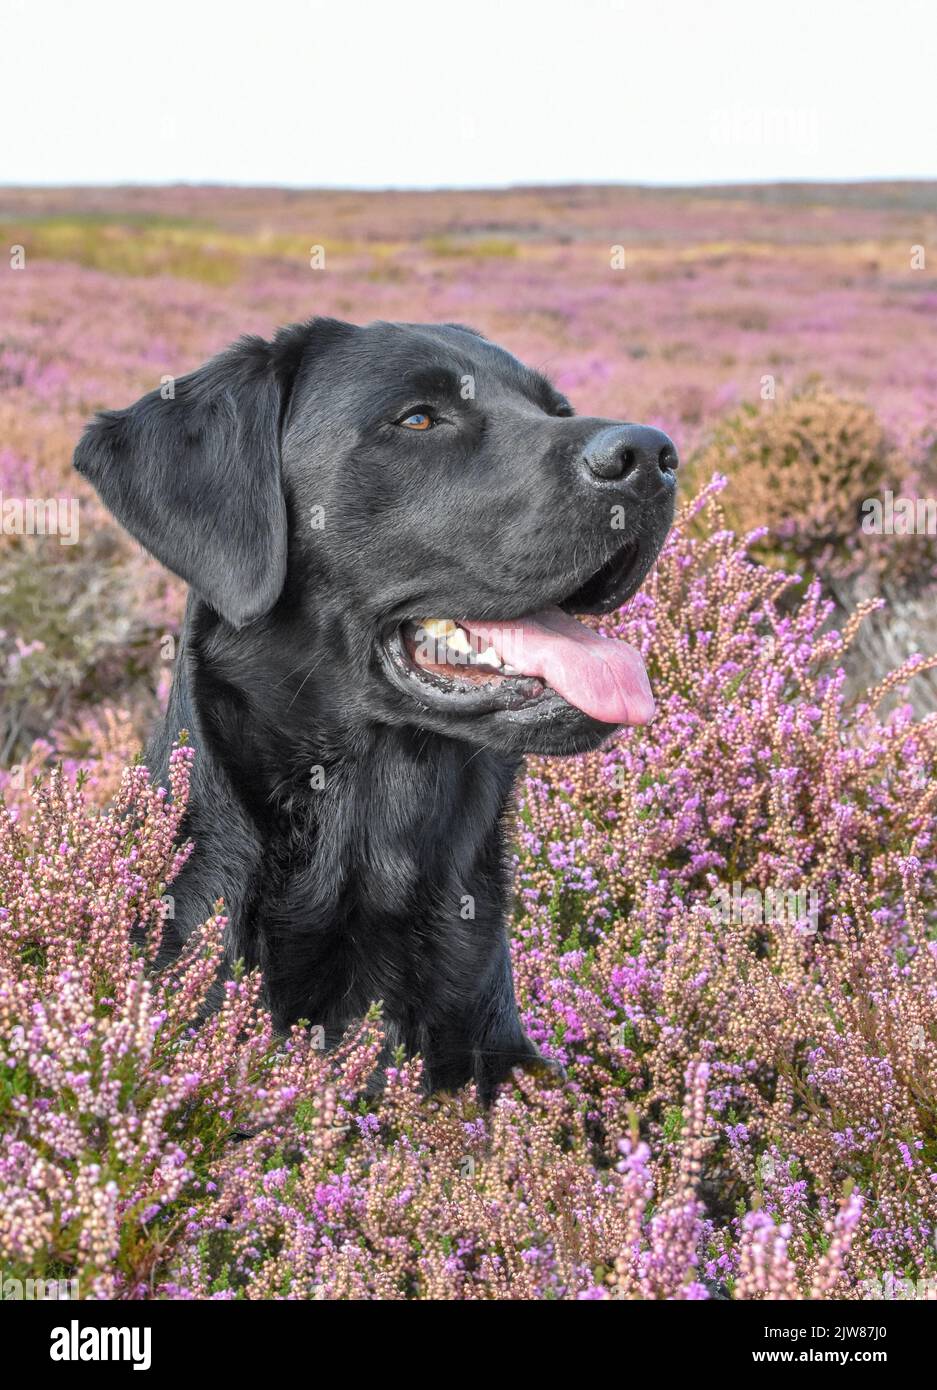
[313,668]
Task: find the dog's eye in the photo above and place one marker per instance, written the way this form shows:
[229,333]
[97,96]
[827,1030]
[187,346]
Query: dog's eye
[563,409]
[417,420]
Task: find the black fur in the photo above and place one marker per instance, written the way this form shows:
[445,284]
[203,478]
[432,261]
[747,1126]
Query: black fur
[347,814]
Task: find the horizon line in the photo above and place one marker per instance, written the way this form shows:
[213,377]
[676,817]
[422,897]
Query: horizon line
[675,185]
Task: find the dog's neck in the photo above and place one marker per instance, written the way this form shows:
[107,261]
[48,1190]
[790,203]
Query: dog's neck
[357,863]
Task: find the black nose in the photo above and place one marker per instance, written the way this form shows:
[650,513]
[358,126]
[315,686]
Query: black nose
[632,454]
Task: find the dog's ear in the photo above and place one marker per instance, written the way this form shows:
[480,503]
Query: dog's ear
[193,473]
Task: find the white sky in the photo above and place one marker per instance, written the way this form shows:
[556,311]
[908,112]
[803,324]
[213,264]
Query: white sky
[408,93]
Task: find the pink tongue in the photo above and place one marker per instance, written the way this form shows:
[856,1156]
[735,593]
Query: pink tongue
[599,675]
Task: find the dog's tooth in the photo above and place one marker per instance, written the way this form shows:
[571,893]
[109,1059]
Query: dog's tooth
[439,627]
[489,657]
[457,641]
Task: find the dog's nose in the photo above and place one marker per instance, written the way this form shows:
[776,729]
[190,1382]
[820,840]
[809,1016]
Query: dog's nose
[632,454]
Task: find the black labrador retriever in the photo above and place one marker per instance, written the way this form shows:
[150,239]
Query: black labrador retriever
[386,531]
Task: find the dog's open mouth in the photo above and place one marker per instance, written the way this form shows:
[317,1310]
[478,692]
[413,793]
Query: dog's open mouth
[546,658]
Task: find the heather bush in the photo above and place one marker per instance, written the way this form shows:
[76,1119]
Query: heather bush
[799,471]
[87,637]
[801,467]
[749,1103]
[80,622]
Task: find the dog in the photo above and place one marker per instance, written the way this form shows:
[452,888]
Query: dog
[386,531]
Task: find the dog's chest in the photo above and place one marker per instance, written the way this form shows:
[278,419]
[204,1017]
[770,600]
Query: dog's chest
[363,898]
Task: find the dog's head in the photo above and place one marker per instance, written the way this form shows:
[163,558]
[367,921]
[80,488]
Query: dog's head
[400,520]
